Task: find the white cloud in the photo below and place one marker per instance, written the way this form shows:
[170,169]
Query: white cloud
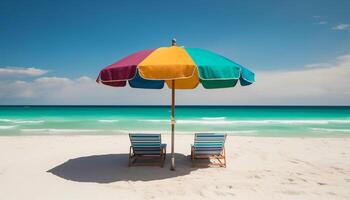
[342,27]
[325,83]
[83,90]
[318,65]
[22,71]
[315,84]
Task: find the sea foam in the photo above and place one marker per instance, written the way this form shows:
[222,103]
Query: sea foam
[330,130]
[154,120]
[20,121]
[108,120]
[58,131]
[7,127]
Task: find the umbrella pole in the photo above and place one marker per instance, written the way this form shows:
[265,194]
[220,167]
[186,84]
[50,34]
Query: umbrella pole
[172,124]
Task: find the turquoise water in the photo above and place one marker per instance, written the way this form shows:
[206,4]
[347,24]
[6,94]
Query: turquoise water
[241,120]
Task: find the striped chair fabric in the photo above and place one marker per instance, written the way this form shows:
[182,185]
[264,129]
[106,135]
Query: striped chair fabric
[209,143]
[146,144]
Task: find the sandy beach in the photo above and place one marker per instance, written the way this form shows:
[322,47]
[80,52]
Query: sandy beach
[95,167]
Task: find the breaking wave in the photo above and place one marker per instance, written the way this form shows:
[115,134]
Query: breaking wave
[7,127]
[267,122]
[19,121]
[108,120]
[58,131]
[330,130]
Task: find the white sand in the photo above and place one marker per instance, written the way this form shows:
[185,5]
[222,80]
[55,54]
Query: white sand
[95,167]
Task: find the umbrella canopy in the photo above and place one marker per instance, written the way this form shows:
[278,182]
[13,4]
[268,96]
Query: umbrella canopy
[178,68]
[188,66]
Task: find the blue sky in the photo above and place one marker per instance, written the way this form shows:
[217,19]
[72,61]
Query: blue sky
[72,39]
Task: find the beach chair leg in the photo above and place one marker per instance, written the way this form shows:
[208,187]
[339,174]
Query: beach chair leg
[224,158]
[162,161]
[192,153]
[193,159]
[222,162]
[164,153]
[161,158]
[134,159]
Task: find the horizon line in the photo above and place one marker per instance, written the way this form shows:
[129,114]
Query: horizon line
[92,105]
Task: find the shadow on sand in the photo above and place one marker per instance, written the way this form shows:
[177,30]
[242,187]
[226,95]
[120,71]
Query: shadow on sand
[114,167]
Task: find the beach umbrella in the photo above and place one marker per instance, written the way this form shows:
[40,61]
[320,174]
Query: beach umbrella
[178,68]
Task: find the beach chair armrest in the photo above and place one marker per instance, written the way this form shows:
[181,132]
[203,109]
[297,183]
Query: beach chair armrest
[131,150]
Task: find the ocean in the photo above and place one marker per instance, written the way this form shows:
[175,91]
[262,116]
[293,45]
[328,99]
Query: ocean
[272,121]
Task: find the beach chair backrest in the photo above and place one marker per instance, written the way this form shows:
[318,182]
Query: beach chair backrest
[145,143]
[209,143]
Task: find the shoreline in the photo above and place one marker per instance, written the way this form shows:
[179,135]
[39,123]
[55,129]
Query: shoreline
[182,134]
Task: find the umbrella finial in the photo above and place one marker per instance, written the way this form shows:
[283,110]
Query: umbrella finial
[173,42]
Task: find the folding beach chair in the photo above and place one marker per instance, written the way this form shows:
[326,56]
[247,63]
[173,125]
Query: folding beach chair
[209,146]
[146,146]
